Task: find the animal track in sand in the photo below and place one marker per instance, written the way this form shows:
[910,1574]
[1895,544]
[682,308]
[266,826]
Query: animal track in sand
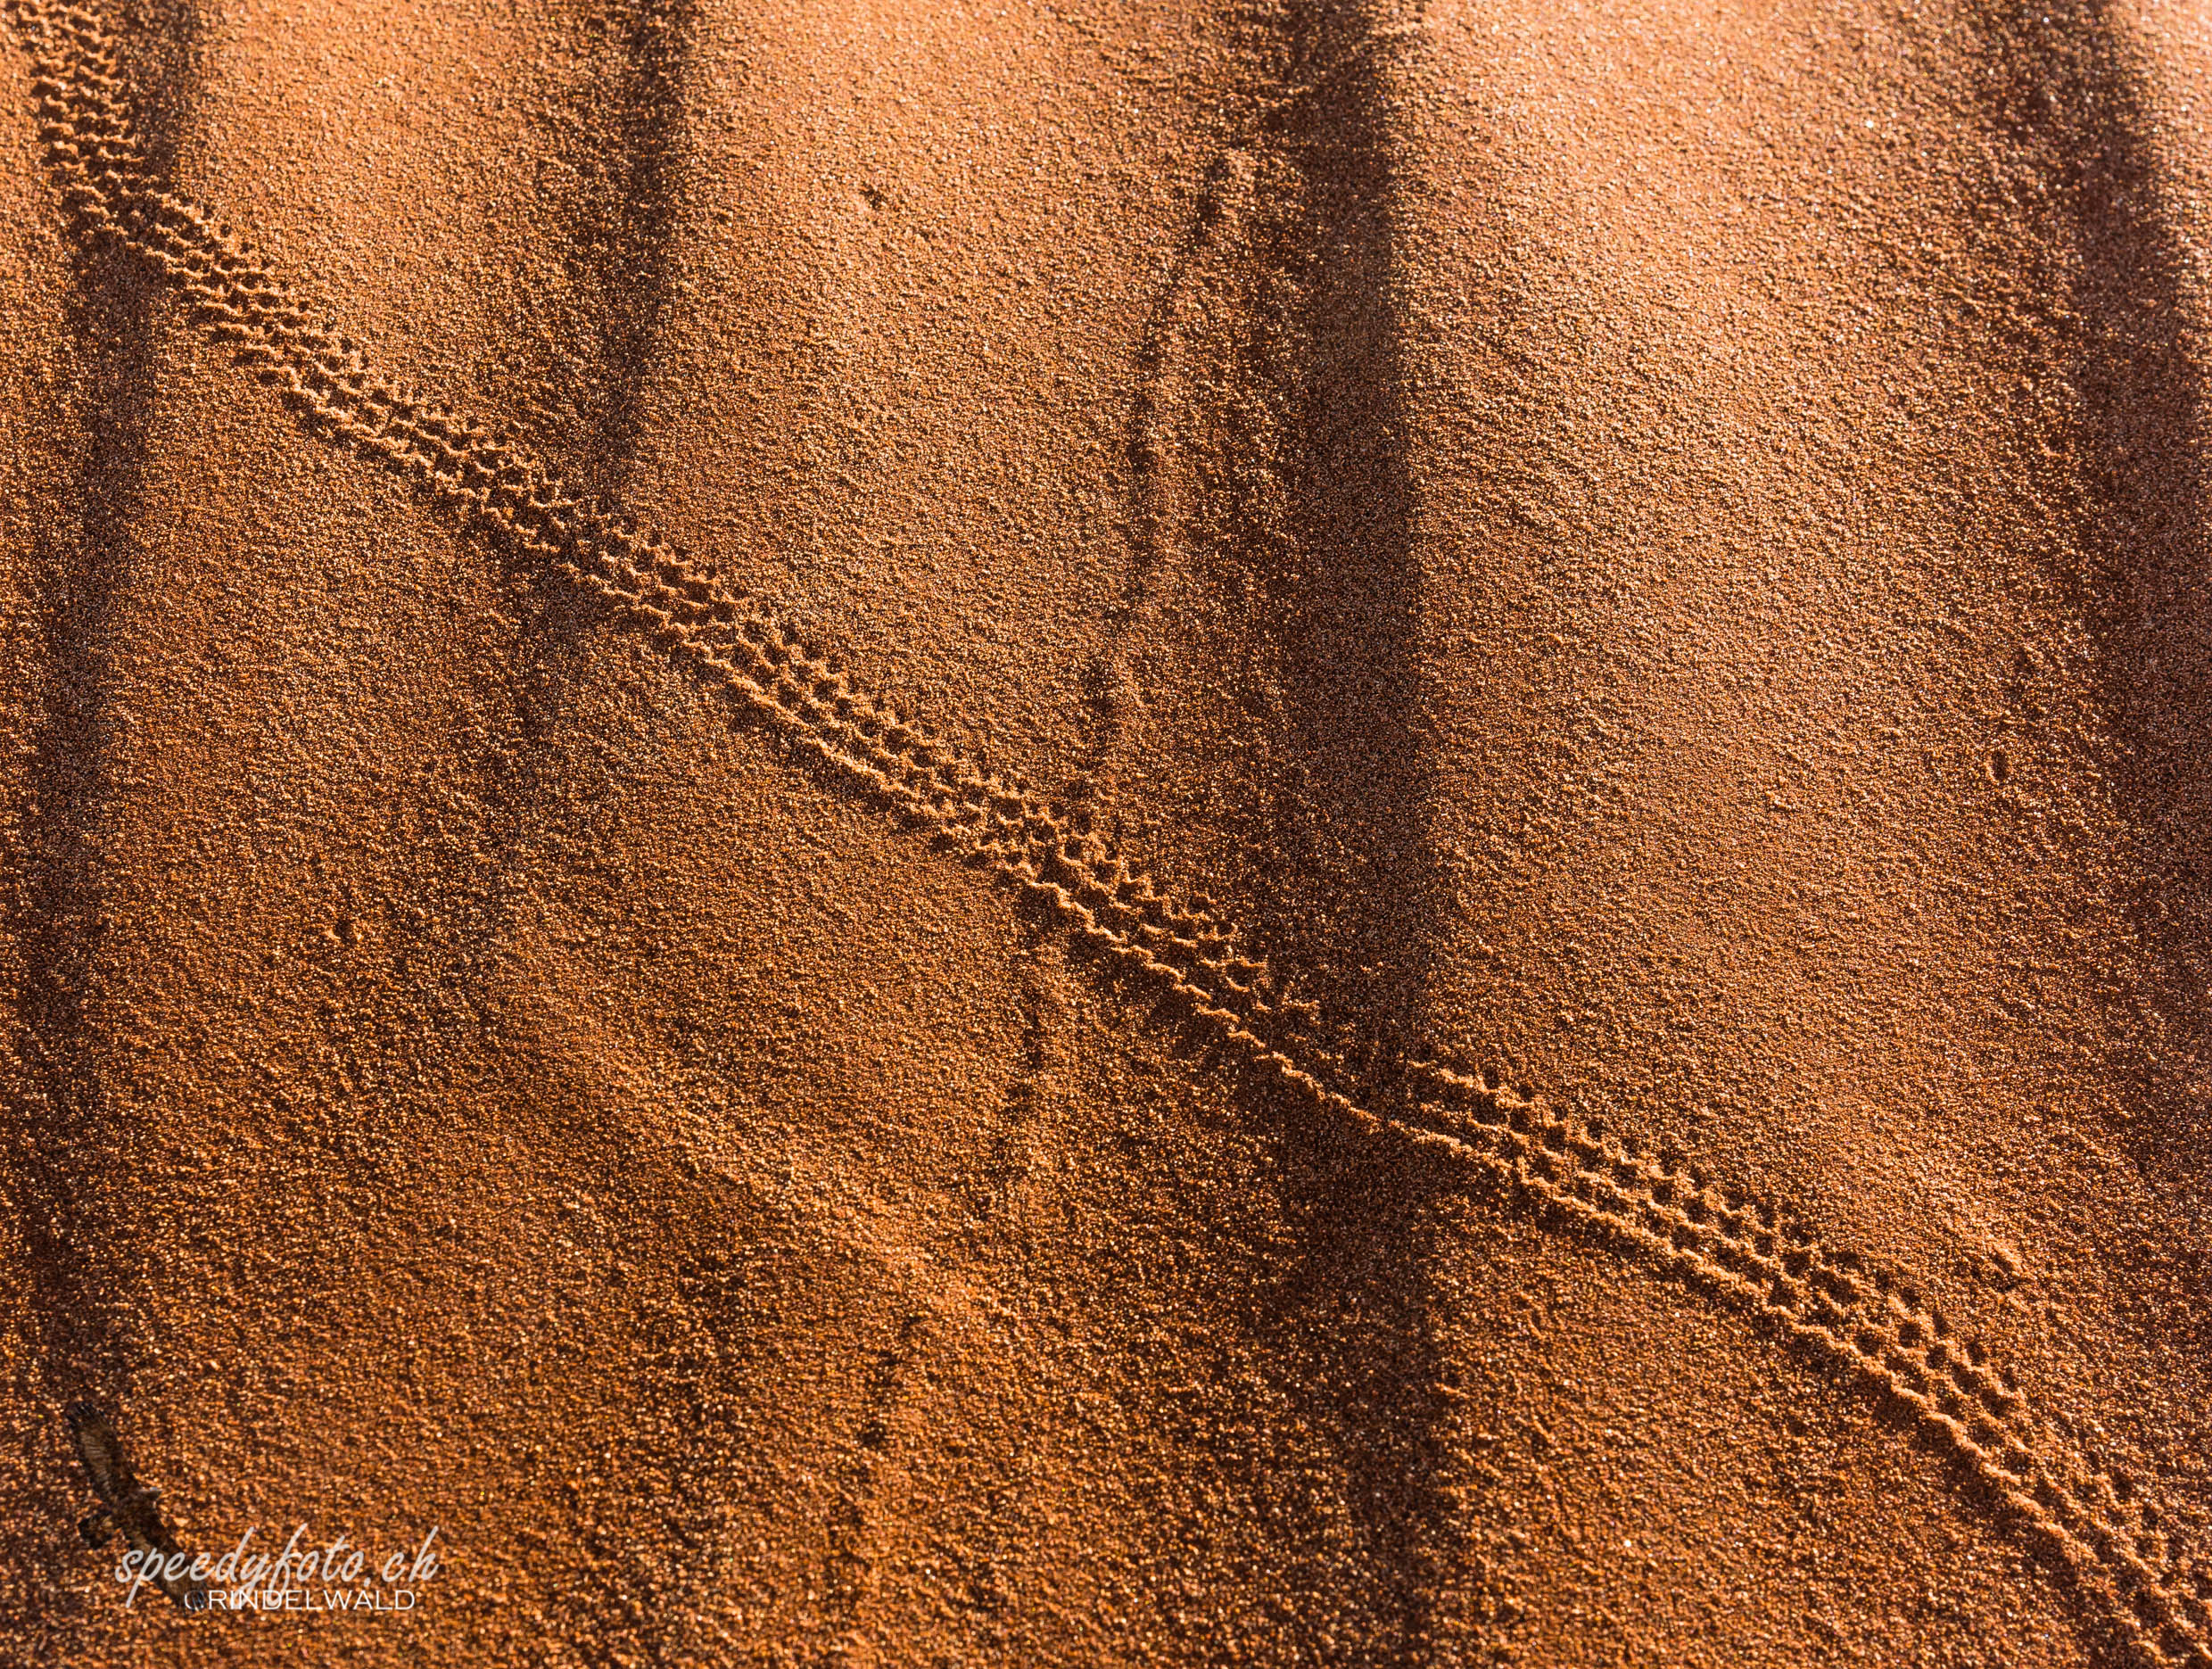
[1830,1304]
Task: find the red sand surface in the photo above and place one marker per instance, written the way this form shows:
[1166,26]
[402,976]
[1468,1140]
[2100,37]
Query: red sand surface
[1633,575]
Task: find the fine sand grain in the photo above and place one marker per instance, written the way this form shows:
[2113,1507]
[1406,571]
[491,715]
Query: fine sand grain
[1109,833]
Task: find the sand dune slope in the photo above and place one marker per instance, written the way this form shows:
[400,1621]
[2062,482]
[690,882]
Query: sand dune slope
[1113,833]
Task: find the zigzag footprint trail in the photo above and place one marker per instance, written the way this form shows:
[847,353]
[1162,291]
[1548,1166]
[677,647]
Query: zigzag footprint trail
[1829,1304]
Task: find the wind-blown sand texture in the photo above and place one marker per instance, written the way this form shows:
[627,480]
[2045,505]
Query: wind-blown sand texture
[1592,1051]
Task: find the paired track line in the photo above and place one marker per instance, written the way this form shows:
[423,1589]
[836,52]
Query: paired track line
[1831,1304]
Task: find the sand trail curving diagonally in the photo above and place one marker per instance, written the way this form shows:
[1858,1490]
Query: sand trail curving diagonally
[1394,576]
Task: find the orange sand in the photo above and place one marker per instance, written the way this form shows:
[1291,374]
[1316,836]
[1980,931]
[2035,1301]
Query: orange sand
[1633,574]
